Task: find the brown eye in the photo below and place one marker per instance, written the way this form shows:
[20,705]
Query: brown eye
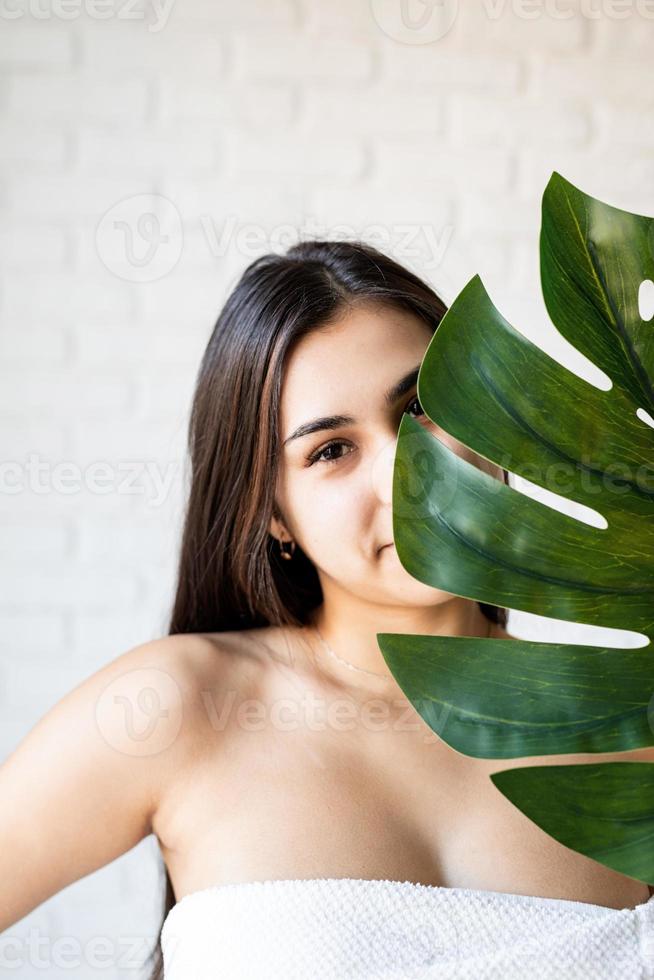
[414,401]
[320,457]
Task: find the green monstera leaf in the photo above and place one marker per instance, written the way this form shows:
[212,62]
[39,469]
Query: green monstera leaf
[459,529]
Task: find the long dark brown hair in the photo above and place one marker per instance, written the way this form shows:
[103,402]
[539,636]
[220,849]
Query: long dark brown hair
[229,574]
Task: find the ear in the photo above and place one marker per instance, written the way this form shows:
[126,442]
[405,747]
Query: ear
[277,528]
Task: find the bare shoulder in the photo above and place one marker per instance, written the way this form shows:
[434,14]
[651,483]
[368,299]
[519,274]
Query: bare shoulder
[166,671]
[185,657]
[149,696]
[197,675]
[193,658]
[186,664]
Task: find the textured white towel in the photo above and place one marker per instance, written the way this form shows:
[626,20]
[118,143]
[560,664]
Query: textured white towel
[340,928]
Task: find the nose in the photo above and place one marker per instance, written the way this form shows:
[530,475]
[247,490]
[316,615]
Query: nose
[381,472]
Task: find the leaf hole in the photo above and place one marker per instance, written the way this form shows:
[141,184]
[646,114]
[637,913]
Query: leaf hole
[556,501]
[646,300]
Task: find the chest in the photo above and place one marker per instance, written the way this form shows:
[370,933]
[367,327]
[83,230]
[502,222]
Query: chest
[338,794]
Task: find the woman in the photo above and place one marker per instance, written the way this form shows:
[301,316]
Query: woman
[282,758]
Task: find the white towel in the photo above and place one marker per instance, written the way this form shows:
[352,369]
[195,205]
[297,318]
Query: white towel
[341,928]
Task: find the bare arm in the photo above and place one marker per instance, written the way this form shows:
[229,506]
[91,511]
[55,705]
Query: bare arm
[82,786]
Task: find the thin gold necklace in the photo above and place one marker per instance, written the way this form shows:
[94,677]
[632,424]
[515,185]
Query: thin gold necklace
[346,663]
[362,670]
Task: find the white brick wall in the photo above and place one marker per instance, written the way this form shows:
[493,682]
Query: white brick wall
[247,117]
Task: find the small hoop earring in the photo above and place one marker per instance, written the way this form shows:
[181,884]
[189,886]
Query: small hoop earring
[286,554]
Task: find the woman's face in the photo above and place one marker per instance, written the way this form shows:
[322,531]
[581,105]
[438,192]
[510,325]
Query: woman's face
[334,486]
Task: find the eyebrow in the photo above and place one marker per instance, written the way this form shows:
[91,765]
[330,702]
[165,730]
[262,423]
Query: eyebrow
[405,384]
